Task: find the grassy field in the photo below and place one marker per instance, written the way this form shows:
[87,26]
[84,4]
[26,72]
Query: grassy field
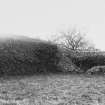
[60,89]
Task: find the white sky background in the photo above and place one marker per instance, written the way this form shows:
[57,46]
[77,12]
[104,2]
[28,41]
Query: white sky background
[43,18]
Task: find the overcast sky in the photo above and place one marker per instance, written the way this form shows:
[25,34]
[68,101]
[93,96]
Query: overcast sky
[46,17]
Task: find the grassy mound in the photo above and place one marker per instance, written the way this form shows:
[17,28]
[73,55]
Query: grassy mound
[97,70]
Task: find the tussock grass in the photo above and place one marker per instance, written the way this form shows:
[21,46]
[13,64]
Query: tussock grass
[58,89]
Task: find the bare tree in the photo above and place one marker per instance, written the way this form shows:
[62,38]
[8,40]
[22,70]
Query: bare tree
[73,40]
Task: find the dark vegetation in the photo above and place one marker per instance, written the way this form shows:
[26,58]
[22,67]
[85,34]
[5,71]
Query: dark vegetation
[26,56]
[87,60]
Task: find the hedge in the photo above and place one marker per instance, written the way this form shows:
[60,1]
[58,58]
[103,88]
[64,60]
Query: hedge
[20,57]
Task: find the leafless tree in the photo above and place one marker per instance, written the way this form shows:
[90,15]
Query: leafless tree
[73,40]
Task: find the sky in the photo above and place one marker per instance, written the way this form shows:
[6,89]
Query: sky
[45,18]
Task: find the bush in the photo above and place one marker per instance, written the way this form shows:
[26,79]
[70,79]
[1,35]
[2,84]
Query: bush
[65,64]
[97,70]
[86,62]
[21,57]
[48,55]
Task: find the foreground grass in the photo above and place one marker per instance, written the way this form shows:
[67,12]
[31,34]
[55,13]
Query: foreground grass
[61,89]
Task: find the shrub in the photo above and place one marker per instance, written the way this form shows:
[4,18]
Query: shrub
[21,57]
[48,55]
[88,61]
[65,64]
